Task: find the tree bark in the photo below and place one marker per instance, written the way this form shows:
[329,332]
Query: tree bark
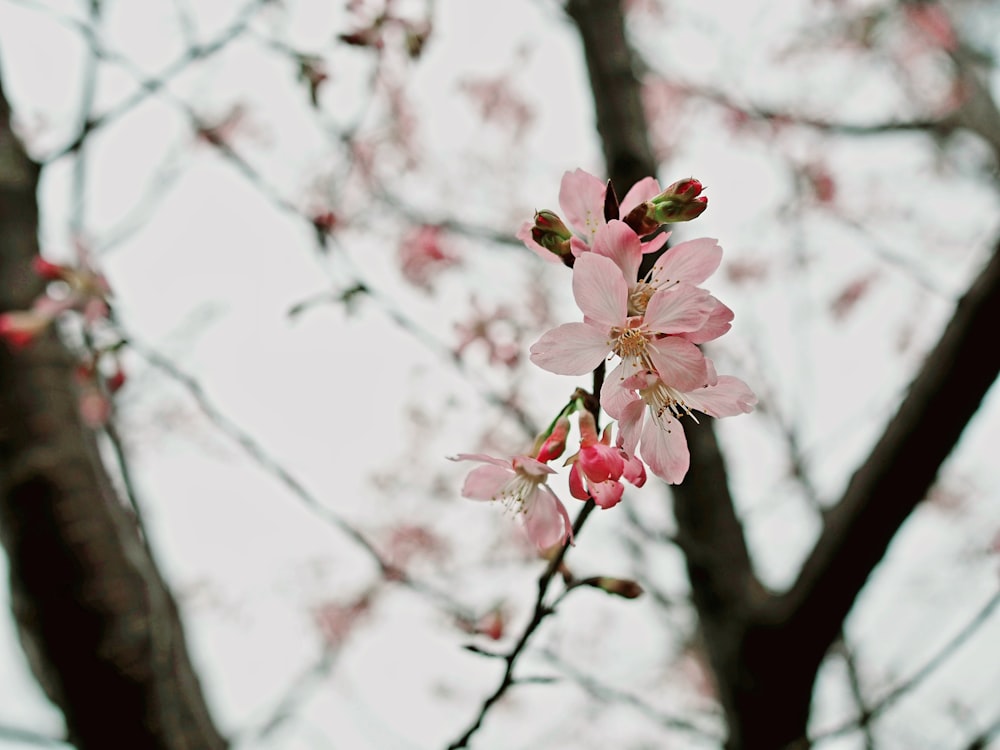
[765,649]
[100,629]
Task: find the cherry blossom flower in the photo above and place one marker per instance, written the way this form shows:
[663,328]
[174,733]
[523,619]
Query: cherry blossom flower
[519,483]
[661,439]
[423,254]
[690,262]
[598,467]
[581,198]
[602,294]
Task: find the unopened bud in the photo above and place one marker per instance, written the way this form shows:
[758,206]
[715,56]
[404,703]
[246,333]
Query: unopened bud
[623,587]
[682,201]
[551,233]
[641,219]
[555,444]
[48,271]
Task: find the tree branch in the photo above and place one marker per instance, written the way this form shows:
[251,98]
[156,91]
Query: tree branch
[100,629]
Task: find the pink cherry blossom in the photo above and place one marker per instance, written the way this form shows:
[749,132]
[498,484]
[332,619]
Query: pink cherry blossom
[660,438]
[598,467]
[519,483]
[581,199]
[423,254]
[602,294]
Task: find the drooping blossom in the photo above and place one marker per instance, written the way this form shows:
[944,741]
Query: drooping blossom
[598,467]
[581,198]
[423,253]
[602,294]
[660,438]
[519,483]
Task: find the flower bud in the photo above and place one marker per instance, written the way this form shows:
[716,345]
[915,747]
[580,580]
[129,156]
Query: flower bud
[555,444]
[641,219]
[48,271]
[551,233]
[682,201]
[623,587]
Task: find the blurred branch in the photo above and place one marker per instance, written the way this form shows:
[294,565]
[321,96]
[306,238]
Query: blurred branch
[901,467]
[608,694]
[539,614]
[100,628]
[919,676]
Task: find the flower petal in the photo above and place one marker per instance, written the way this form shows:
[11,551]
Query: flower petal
[571,349]
[616,240]
[727,398]
[486,482]
[692,261]
[481,457]
[607,494]
[615,397]
[640,192]
[581,197]
[679,363]
[682,309]
[545,519]
[630,426]
[524,234]
[664,449]
[600,291]
[719,322]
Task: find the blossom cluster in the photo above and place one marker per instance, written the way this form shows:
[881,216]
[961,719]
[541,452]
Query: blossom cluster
[74,290]
[651,323]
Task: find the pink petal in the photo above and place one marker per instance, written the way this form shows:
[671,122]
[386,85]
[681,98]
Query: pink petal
[630,426]
[679,363]
[600,291]
[576,488]
[545,519]
[692,261]
[656,243]
[578,247]
[640,192]
[664,449]
[524,234]
[481,457]
[729,397]
[615,397]
[532,467]
[679,310]
[616,240]
[635,471]
[601,462]
[486,482]
[571,349]
[719,322]
[581,197]
[607,494]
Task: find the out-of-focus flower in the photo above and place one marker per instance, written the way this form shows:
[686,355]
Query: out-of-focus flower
[423,254]
[519,483]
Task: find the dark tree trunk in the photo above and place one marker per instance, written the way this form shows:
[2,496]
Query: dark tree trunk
[99,627]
